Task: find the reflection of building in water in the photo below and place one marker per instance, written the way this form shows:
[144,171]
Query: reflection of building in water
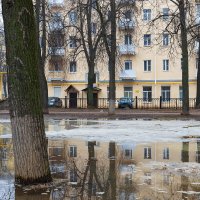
[145,171]
[6,156]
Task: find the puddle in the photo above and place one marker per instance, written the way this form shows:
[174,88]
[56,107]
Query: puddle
[123,160]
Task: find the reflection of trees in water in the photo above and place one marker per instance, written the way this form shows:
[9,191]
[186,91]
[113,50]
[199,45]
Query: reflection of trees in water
[94,178]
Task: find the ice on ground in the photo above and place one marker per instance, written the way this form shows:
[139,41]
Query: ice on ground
[134,130]
[122,131]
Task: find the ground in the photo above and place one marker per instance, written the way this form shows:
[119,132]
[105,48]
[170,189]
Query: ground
[120,113]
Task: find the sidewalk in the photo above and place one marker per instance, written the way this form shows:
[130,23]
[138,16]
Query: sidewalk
[124,113]
[119,114]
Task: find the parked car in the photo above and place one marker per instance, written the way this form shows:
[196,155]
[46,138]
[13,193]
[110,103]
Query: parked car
[125,103]
[54,102]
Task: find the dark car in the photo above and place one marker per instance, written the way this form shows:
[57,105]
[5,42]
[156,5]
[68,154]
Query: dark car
[54,102]
[125,103]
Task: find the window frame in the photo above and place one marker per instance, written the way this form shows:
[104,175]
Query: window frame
[147,66]
[165,65]
[147,94]
[147,40]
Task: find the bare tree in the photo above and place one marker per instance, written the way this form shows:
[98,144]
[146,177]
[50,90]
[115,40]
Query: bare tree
[27,123]
[40,9]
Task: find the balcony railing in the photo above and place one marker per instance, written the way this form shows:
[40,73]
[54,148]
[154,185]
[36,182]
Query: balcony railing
[56,3]
[126,24]
[57,51]
[127,49]
[128,74]
[127,2]
[56,26]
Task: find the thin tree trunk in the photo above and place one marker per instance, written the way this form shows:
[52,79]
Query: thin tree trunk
[27,123]
[91,81]
[40,6]
[112,60]
[184,49]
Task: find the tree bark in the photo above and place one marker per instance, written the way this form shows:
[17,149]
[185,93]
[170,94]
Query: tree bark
[40,6]
[27,123]
[112,59]
[184,49]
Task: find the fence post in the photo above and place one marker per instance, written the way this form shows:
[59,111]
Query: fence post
[65,101]
[176,104]
[160,102]
[136,102]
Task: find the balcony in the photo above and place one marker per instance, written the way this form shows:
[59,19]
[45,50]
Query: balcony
[197,20]
[129,74]
[56,3]
[57,51]
[127,49]
[125,24]
[126,2]
[56,26]
[196,47]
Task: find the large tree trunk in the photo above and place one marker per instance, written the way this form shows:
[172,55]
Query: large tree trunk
[27,123]
[112,56]
[40,13]
[184,49]
[198,77]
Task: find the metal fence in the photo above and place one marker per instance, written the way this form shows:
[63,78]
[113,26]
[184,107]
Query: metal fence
[138,103]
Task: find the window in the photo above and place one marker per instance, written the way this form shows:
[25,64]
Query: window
[147,93]
[93,28]
[128,153]
[56,22]
[128,39]
[57,66]
[72,66]
[57,91]
[165,13]
[165,39]
[147,65]
[73,176]
[128,180]
[166,153]
[73,17]
[165,93]
[197,13]
[147,153]
[94,3]
[127,64]
[73,151]
[147,14]
[128,92]
[72,42]
[147,40]
[180,92]
[166,65]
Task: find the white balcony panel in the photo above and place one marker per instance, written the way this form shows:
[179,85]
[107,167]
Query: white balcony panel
[53,26]
[128,74]
[126,24]
[58,51]
[127,49]
[56,2]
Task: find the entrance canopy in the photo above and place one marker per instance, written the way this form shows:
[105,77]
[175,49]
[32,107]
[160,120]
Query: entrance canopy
[71,89]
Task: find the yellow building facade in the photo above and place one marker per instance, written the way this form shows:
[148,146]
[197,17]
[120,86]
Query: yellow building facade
[148,62]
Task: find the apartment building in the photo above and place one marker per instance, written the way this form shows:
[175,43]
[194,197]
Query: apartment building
[148,58]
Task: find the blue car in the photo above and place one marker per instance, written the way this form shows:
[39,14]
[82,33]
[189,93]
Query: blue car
[125,103]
